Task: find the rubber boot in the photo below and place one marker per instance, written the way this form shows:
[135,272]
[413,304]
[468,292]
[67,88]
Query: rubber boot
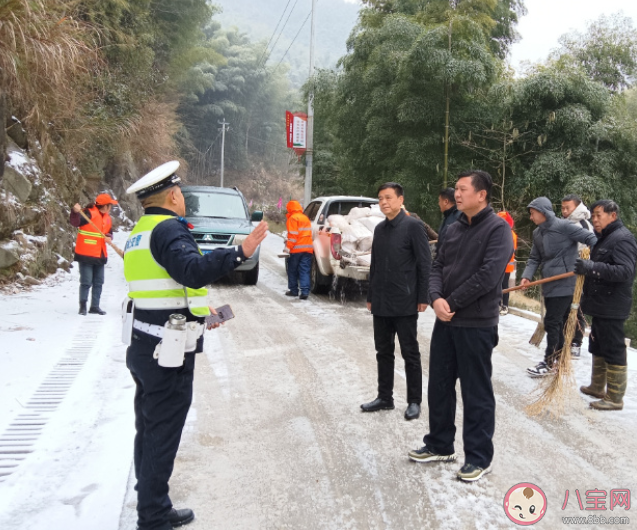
[82,310]
[614,398]
[597,388]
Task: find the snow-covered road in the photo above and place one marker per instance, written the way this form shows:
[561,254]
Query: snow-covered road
[275,437]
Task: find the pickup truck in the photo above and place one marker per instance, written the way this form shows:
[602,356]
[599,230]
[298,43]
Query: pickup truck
[330,262]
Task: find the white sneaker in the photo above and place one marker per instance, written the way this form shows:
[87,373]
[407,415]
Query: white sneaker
[575,351]
[504,310]
[540,370]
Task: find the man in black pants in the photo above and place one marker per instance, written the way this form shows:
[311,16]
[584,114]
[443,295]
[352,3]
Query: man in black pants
[554,250]
[166,274]
[465,290]
[398,283]
[608,297]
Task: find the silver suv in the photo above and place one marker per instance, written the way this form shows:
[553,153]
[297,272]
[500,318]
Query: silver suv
[221,218]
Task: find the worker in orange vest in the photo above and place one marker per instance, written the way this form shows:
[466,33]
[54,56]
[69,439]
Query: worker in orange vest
[90,249]
[299,245]
[504,305]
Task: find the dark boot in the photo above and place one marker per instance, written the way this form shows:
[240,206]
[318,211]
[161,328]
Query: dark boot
[82,310]
[597,388]
[614,398]
[96,311]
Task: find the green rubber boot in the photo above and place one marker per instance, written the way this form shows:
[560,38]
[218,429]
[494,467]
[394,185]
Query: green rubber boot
[597,388]
[614,398]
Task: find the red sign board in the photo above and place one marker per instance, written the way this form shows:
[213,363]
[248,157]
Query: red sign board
[296,131]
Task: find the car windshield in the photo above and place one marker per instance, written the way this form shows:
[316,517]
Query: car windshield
[220,205]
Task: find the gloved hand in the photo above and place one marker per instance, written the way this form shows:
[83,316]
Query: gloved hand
[583,266]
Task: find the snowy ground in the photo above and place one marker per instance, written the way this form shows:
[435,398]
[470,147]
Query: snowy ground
[275,438]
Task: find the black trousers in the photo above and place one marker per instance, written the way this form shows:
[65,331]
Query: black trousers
[557,310]
[581,327]
[463,353]
[607,340]
[162,399]
[385,331]
[505,285]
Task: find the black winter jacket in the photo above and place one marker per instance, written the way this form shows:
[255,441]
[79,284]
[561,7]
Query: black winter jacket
[608,288]
[399,272]
[469,268]
[450,216]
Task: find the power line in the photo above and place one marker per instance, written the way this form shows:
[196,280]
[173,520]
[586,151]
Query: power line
[295,37]
[281,32]
[265,50]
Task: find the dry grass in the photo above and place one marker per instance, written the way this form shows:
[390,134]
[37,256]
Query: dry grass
[152,132]
[47,61]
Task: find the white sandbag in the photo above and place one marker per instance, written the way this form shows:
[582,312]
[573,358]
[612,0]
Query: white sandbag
[357,213]
[359,229]
[364,261]
[349,247]
[370,222]
[348,235]
[365,244]
[337,221]
[374,211]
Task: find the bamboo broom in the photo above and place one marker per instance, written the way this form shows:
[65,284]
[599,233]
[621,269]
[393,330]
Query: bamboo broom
[539,333]
[556,389]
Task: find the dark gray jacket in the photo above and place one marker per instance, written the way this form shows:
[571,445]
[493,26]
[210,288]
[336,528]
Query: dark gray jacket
[469,268]
[608,288]
[555,249]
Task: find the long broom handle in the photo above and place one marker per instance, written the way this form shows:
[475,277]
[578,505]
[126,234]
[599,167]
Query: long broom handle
[538,282]
[115,247]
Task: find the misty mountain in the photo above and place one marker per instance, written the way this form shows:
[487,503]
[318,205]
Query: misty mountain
[335,19]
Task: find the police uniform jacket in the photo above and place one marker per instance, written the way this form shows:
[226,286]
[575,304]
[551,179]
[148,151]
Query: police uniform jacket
[174,248]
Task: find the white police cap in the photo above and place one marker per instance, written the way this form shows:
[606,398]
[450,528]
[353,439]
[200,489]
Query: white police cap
[158,179]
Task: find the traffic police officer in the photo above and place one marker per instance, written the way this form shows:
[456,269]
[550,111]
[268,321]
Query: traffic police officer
[166,273]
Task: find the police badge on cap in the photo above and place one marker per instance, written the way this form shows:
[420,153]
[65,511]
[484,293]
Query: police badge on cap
[158,179]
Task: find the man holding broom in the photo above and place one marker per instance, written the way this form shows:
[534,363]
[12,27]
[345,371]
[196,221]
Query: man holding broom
[554,251]
[607,297]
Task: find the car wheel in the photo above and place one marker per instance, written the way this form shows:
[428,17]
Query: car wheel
[251,277]
[319,283]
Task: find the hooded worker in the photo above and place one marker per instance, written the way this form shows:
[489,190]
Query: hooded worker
[554,251]
[299,245]
[504,305]
[95,231]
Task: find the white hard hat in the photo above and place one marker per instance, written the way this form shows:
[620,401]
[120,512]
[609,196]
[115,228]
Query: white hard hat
[158,179]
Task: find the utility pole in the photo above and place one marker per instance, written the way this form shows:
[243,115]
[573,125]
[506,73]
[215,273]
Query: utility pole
[223,145]
[310,118]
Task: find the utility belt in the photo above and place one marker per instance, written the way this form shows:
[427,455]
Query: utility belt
[178,337]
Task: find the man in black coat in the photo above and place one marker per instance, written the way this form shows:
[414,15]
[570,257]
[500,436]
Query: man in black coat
[608,297]
[450,213]
[398,283]
[465,289]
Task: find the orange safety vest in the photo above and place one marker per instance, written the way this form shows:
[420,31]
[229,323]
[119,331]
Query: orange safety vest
[299,229]
[89,242]
[511,264]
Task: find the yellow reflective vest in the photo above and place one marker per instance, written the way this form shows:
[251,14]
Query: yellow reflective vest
[149,284]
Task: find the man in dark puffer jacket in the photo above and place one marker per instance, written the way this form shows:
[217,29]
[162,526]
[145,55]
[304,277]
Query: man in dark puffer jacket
[607,297]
